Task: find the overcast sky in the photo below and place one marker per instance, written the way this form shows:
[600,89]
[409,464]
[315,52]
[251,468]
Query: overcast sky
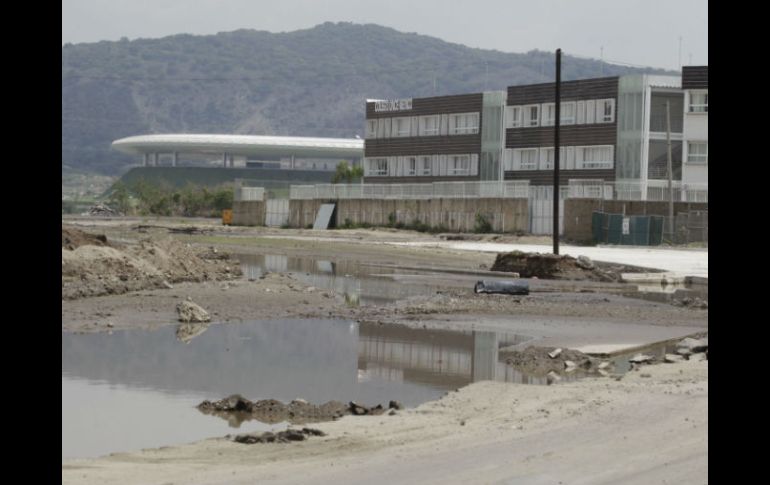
[639,32]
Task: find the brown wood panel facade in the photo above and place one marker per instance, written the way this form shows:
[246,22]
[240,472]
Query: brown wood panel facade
[604,87]
[570,135]
[423,145]
[545,177]
[695,77]
[461,103]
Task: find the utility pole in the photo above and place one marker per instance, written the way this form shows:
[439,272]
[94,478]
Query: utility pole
[670,174]
[557,122]
[680,52]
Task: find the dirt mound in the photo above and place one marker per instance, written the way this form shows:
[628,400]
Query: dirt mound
[536,361]
[72,238]
[552,266]
[99,269]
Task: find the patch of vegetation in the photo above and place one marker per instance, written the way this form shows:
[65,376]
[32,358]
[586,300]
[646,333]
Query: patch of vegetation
[347,174]
[483,226]
[145,198]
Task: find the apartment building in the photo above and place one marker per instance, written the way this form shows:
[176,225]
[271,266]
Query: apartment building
[613,136]
[696,127]
[442,138]
[588,131]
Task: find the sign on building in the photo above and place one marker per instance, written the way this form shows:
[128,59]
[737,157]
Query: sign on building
[393,105]
[626,225]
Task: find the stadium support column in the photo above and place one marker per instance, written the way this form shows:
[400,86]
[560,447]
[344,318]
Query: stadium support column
[174,159]
[224,160]
[155,159]
[146,159]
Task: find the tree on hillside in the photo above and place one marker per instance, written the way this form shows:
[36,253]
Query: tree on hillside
[346,173]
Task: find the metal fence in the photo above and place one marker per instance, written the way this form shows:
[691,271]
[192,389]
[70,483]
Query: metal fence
[599,189]
[435,190]
[689,227]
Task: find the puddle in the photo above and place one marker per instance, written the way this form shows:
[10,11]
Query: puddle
[667,293]
[359,283]
[135,389]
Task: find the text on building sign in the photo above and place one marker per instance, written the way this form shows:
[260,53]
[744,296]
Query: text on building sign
[393,105]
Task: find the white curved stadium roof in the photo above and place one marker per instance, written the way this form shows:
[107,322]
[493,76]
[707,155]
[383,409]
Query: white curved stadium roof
[244,145]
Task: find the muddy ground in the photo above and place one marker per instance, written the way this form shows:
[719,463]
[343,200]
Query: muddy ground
[230,298]
[648,427]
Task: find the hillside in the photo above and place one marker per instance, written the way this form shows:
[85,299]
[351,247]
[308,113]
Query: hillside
[305,83]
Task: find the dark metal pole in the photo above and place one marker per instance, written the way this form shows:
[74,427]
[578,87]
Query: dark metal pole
[557,122]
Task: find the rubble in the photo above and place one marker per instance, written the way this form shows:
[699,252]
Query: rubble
[641,359]
[280,437]
[190,311]
[538,360]
[551,266]
[236,408]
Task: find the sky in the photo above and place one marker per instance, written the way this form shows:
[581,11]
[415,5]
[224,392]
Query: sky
[656,33]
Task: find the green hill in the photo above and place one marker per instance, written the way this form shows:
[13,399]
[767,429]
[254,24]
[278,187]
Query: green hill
[311,82]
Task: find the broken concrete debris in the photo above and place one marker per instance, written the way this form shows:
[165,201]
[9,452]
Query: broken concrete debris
[641,359]
[554,354]
[280,437]
[190,311]
[297,411]
[672,358]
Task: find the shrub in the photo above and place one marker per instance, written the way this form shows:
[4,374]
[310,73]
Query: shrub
[483,226]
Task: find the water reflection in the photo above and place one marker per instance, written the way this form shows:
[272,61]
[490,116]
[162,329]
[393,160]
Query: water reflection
[142,382]
[357,282]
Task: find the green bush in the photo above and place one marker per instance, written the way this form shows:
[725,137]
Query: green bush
[483,226]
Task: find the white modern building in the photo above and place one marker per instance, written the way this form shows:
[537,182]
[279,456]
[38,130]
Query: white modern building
[289,152]
[695,171]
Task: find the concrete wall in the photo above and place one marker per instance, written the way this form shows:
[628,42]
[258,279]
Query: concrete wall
[505,215]
[249,213]
[578,213]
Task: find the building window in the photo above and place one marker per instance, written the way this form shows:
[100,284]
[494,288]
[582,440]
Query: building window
[371,128]
[590,111]
[567,114]
[459,165]
[513,117]
[592,157]
[698,152]
[401,127]
[607,111]
[425,163]
[533,115]
[383,128]
[521,159]
[464,124]
[546,158]
[410,165]
[429,125]
[699,102]
[581,112]
[549,114]
[377,166]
